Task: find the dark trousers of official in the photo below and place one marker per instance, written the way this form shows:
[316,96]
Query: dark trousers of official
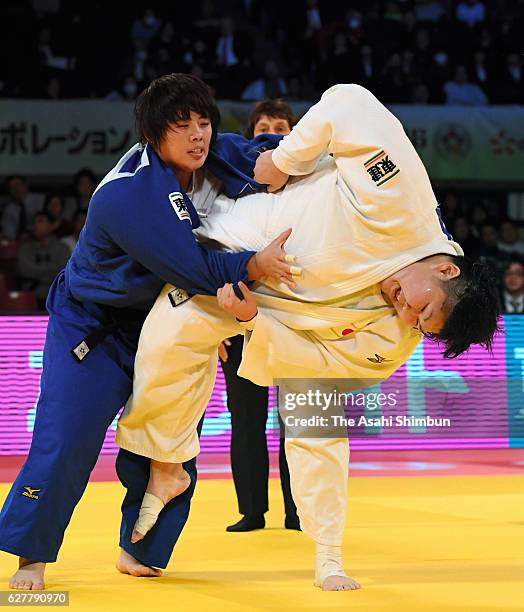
[78,402]
[248,405]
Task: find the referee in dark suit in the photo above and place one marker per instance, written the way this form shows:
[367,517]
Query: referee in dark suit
[248,405]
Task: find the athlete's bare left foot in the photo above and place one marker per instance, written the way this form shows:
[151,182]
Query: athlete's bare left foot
[166,481]
[127,564]
[340,583]
[30,575]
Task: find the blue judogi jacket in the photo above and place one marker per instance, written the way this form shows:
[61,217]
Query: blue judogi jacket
[139,229]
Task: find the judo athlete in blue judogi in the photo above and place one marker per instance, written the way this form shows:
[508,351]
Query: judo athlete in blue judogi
[138,236]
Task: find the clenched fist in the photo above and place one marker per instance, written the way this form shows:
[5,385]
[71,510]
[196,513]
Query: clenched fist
[243,310]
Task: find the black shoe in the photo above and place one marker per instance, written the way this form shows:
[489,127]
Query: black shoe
[292,522]
[248,523]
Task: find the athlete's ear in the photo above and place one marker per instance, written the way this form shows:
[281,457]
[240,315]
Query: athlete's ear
[447,270]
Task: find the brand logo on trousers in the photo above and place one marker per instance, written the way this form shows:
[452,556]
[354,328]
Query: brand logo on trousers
[30,492]
[377,359]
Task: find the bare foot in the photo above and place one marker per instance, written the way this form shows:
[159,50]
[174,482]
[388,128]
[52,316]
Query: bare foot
[166,481]
[329,570]
[127,564]
[340,583]
[30,575]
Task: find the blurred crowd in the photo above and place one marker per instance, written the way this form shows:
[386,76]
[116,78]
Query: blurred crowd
[483,227]
[39,231]
[406,51]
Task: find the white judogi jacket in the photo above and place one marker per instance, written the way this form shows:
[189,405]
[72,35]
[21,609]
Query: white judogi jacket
[366,212]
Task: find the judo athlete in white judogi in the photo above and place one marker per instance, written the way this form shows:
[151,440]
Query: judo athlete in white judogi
[375,257]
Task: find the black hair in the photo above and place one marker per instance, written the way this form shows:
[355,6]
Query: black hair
[474,304]
[172,98]
[515,258]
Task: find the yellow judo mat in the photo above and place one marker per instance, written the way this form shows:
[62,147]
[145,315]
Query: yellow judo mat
[429,543]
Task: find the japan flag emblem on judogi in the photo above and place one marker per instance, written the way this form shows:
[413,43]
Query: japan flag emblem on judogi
[179,206]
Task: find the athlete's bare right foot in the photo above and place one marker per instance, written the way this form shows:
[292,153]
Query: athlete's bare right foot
[340,583]
[127,564]
[30,575]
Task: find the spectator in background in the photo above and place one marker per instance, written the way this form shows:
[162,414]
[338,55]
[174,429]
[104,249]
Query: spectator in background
[494,210]
[247,402]
[196,54]
[461,92]
[167,40]
[225,51]
[481,72]
[296,90]
[462,234]
[510,81]
[489,240]
[471,12]
[407,33]
[420,94]
[271,85]
[234,58]
[429,10]
[20,208]
[392,84]
[52,89]
[479,216]
[270,117]
[451,208]
[392,12]
[485,42]
[55,206]
[489,250]
[314,20]
[79,221]
[125,92]
[423,52]
[509,239]
[339,62]
[84,185]
[47,57]
[41,258]
[167,50]
[438,74]
[513,288]
[146,27]
[367,67]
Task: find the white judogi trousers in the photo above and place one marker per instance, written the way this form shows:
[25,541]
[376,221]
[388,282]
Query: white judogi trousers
[175,372]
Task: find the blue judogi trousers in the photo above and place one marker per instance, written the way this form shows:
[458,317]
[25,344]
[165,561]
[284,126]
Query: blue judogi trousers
[78,402]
